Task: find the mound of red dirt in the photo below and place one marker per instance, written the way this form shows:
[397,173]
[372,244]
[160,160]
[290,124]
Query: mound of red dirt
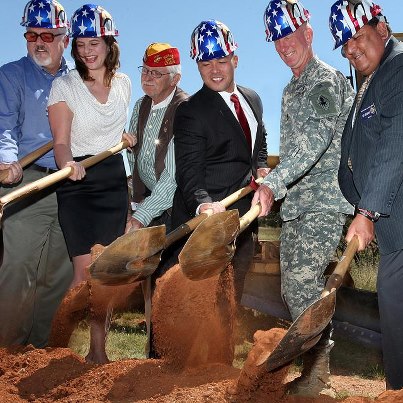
[193,330]
[57,374]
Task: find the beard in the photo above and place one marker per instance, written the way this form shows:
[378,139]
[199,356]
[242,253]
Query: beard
[42,59]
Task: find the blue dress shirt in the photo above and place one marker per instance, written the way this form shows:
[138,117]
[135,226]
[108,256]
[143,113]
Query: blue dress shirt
[24,125]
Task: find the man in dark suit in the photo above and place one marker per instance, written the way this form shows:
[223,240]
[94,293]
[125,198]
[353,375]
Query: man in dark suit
[216,153]
[371,173]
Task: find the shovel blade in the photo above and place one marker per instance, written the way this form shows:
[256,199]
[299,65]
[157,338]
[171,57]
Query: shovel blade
[210,248]
[304,332]
[131,257]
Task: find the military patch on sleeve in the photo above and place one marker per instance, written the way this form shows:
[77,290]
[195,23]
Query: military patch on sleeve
[323,100]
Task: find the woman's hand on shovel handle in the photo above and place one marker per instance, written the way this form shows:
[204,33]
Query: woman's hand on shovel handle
[363,228]
[265,196]
[78,170]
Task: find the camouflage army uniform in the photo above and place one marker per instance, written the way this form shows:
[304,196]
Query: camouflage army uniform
[315,107]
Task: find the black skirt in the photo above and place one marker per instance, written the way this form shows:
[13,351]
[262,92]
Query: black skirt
[94,210]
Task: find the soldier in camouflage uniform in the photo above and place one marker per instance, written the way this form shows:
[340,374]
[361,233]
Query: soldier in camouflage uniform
[315,106]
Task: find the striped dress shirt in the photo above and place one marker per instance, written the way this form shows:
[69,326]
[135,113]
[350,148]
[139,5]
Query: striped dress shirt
[162,191]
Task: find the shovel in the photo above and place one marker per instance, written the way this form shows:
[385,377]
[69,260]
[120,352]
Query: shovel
[29,158]
[136,255]
[307,329]
[51,179]
[210,248]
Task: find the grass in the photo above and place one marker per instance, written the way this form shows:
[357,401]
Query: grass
[364,267]
[126,339]
[269,233]
[364,277]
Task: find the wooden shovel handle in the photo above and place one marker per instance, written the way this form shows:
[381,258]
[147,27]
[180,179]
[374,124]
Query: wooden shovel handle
[248,217]
[64,173]
[90,161]
[239,194]
[191,225]
[29,158]
[336,278]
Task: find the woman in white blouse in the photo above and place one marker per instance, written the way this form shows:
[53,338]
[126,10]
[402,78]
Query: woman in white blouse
[88,113]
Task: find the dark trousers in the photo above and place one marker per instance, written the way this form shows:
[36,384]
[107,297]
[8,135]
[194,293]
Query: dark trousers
[390,300]
[242,260]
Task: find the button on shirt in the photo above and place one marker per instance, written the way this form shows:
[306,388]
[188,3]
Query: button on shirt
[24,125]
[246,108]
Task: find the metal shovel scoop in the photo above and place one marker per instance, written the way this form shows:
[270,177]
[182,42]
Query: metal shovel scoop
[210,248]
[307,329]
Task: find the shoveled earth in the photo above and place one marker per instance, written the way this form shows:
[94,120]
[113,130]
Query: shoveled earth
[193,325]
[57,374]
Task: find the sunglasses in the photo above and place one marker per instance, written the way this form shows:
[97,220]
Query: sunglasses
[45,36]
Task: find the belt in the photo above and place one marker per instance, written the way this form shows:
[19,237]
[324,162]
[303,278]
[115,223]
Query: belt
[45,170]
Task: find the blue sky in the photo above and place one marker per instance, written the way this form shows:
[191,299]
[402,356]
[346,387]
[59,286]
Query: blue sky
[143,22]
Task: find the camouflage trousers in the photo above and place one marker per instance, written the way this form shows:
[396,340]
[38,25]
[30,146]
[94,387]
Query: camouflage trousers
[307,245]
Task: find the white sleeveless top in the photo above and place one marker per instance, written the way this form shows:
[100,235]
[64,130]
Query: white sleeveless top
[96,127]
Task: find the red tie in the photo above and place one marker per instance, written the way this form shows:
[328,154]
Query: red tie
[242,119]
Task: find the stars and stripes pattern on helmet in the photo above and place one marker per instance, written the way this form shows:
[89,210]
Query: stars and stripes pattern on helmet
[346,18]
[283,17]
[211,39]
[44,14]
[91,21]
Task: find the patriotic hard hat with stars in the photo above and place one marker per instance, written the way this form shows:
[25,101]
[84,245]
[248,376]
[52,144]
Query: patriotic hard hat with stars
[211,39]
[90,21]
[283,17]
[347,17]
[44,14]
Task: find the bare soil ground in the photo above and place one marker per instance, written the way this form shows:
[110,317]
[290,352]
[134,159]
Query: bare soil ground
[194,326]
[57,374]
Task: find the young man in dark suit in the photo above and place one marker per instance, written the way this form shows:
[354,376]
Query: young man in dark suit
[371,173]
[217,152]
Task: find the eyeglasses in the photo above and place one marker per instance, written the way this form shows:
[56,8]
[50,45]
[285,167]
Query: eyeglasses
[152,73]
[45,36]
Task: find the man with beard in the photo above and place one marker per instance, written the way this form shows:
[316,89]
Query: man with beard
[36,270]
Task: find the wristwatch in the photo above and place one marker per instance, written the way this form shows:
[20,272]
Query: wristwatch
[371,215]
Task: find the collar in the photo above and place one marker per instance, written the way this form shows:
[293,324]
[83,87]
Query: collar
[308,70]
[388,48]
[164,103]
[62,69]
[226,95]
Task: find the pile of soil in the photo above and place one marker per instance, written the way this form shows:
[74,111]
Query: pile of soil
[193,324]
[57,374]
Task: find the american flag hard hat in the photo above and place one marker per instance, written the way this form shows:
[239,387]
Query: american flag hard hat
[347,17]
[283,17]
[91,21]
[44,14]
[211,39]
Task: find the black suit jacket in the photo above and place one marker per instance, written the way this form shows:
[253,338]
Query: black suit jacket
[374,146]
[211,152]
